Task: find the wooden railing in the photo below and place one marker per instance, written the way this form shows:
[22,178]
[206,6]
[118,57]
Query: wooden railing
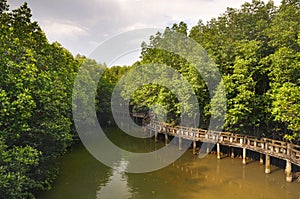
[275,148]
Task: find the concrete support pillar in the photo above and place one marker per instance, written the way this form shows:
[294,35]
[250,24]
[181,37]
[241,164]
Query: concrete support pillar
[207,148]
[166,139]
[179,143]
[244,155]
[288,171]
[268,164]
[218,151]
[155,135]
[232,152]
[261,160]
[150,130]
[194,147]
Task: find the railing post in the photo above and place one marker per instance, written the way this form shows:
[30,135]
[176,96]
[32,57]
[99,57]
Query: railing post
[288,150]
[272,146]
[216,137]
[206,135]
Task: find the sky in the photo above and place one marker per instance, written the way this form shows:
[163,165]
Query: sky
[82,25]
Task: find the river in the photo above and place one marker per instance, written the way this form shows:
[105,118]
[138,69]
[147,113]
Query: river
[83,177]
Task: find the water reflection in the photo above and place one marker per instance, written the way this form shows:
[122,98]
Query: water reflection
[117,186]
[82,177]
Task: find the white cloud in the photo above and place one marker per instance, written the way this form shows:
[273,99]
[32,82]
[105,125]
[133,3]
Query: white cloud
[135,26]
[63,29]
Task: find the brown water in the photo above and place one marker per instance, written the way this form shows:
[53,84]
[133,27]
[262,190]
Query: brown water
[81,176]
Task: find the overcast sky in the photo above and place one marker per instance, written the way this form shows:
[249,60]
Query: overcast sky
[81,25]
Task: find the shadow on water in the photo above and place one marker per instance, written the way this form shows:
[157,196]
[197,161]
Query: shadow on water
[80,175]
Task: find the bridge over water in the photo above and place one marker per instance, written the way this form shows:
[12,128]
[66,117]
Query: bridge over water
[269,147]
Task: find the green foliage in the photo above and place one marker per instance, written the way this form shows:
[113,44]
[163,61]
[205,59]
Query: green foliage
[17,164]
[36,80]
[286,106]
